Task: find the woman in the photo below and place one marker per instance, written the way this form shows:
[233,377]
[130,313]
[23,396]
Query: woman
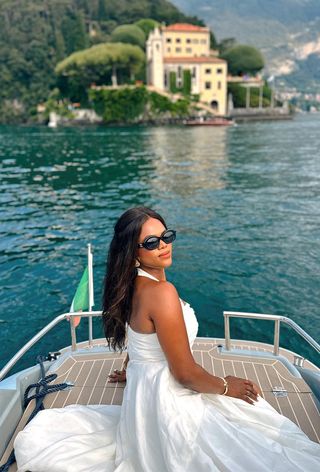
[175,416]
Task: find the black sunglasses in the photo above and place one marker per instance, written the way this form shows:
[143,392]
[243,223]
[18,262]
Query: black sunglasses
[153,242]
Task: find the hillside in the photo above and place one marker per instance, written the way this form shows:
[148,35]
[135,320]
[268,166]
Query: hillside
[286,31]
[36,34]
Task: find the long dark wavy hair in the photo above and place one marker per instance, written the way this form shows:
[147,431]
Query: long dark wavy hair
[121,272]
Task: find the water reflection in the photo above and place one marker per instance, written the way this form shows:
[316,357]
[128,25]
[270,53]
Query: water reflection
[189,160]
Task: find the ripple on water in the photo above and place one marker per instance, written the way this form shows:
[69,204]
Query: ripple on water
[244,200]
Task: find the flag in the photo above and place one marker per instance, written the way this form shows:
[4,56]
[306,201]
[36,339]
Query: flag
[83,298]
[80,300]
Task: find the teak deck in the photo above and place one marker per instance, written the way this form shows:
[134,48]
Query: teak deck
[88,369]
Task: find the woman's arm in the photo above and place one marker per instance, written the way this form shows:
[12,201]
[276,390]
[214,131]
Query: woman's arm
[166,314]
[120,375]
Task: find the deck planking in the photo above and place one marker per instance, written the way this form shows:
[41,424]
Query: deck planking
[88,370]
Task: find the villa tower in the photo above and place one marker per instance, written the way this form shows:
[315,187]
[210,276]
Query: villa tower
[181,52]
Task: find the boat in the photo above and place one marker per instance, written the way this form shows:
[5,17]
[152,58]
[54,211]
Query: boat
[290,383]
[217,121]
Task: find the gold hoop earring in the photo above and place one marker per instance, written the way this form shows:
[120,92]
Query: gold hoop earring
[137,264]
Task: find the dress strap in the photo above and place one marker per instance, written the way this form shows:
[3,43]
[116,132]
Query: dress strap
[143,273]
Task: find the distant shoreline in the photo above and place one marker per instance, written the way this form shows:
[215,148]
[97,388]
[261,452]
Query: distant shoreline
[238,118]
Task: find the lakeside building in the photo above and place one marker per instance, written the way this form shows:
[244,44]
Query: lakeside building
[176,49]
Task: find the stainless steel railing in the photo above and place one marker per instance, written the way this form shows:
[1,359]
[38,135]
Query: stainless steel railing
[45,330]
[277,320]
[227,315]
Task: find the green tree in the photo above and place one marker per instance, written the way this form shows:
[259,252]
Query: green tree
[74,32]
[213,41]
[147,25]
[102,10]
[99,64]
[226,44]
[59,45]
[130,34]
[243,60]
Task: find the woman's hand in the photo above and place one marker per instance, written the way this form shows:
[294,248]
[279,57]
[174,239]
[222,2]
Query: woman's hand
[118,376]
[242,388]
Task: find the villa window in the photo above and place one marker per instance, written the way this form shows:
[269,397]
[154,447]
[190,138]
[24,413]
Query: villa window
[207,85]
[203,41]
[219,71]
[194,72]
[195,41]
[219,85]
[178,40]
[168,40]
[168,49]
[179,72]
[188,40]
[189,50]
[178,49]
[208,71]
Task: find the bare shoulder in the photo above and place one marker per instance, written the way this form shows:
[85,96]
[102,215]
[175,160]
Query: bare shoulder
[163,295]
[160,300]
[158,289]
[165,288]
[152,293]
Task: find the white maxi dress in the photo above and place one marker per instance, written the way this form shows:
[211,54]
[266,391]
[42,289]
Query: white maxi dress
[164,427]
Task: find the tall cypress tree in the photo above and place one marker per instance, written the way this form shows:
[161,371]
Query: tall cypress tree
[59,45]
[102,11]
[74,32]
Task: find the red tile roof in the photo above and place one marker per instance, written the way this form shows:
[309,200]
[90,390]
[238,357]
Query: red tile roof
[186,27]
[194,60]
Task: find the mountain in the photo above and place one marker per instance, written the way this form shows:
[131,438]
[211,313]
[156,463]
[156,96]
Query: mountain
[286,31]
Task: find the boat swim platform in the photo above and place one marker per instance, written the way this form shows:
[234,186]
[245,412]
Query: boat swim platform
[88,369]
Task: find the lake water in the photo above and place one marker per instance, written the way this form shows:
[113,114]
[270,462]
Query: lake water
[245,202]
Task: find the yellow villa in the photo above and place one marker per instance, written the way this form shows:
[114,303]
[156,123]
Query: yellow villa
[180,47]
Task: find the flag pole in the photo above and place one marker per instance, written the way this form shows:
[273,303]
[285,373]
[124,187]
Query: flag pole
[90,288]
